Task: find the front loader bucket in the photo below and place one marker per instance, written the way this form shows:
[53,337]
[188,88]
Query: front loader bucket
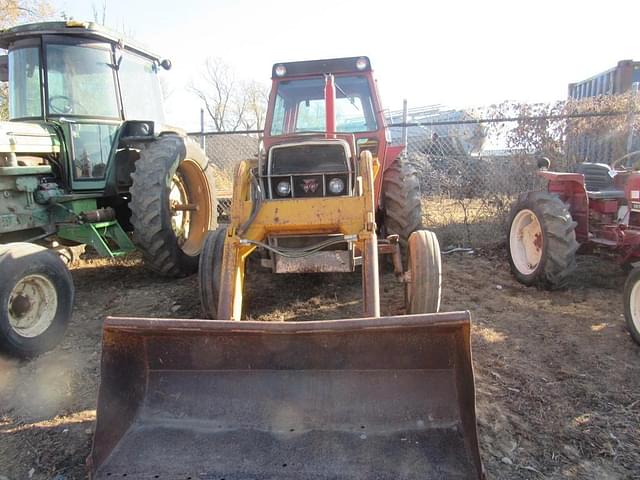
[382,398]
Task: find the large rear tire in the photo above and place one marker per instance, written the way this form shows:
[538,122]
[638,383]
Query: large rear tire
[632,303]
[210,271]
[542,241]
[423,290]
[401,201]
[172,204]
[36,299]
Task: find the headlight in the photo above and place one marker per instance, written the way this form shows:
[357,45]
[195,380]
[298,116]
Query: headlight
[361,63]
[336,186]
[280,70]
[284,188]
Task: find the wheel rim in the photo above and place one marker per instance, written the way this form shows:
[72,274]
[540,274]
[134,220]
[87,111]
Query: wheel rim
[634,306]
[189,201]
[178,201]
[526,241]
[32,307]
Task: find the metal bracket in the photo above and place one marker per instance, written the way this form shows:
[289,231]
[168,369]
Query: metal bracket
[98,235]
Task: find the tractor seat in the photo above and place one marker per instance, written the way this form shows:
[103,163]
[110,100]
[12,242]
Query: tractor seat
[598,181]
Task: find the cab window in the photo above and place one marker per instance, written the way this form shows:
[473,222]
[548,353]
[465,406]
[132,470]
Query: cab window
[300,106]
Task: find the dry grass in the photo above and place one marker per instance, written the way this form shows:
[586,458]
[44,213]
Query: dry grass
[476,222]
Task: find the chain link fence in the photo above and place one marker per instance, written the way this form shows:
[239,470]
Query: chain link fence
[472,164]
[224,151]
[467,188]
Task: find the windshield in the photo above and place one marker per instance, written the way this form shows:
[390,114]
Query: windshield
[300,106]
[24,83]
[140,88]
[80,81]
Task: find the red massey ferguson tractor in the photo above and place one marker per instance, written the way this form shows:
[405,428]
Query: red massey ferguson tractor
[328,180]
[596,209]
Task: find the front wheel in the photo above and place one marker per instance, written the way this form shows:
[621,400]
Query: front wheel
[424,286]
[210,271]
[542,241]
[632,303]
[36,299]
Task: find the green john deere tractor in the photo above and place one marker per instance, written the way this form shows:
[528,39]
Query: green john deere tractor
[87,159]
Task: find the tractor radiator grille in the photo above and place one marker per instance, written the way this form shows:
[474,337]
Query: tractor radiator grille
[309,169]
[308,158]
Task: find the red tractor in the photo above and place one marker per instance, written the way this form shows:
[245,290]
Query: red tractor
[595,209]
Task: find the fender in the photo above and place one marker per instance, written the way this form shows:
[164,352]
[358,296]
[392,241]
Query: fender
[571,189]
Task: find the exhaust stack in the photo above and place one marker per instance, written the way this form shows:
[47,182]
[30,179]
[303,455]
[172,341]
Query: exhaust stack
[330,103]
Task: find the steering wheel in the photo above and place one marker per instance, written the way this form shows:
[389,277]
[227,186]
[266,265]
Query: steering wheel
[616,163]
[63,104]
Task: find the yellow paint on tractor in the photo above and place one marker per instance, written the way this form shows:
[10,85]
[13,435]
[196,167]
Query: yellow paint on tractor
[346,215]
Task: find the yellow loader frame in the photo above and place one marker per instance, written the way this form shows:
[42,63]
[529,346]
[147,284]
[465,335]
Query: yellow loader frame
[353,216]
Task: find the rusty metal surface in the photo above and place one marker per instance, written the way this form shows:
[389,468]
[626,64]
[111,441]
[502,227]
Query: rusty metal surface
[319,262]
[384,398]
[370,277]
[392,248]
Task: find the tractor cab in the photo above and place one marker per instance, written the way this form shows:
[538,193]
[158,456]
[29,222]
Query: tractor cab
[325,112]
[300,106]
[81,81]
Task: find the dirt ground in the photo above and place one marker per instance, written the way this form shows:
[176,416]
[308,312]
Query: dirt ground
[557,375]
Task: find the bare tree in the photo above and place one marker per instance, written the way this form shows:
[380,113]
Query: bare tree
[215,89]
[230,103]
[100,13]
[257,96]
[13,12]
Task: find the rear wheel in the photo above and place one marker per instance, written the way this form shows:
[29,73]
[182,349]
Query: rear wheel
[36,299]
[632,303]
[172,204]
[401,199]
[210,271]
[423,290]
[542,241]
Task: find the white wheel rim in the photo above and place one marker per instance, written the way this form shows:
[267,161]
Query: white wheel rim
[33,303]
[180,219]
[526,241]
[634,306]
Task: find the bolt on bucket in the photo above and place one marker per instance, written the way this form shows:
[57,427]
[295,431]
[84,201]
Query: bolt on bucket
[384,398]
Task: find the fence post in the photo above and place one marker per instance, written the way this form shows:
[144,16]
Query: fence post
[405,130]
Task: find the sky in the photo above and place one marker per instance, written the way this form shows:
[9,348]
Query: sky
[454,53]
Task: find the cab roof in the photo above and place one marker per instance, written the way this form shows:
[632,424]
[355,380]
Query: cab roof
[74,28]
[319,67]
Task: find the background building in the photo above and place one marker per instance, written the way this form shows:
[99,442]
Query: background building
[616,80]
[608,145]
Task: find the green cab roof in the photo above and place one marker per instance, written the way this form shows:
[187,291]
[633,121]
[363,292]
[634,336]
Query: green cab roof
[73,28]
